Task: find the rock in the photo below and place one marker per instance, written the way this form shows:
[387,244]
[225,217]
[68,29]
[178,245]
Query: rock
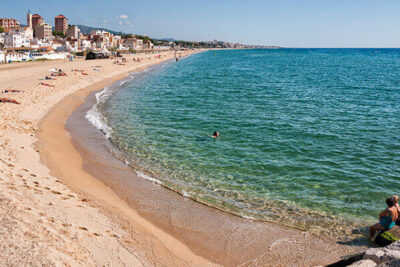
[394,263]
[381,255]
[386,238]
[394,246]
[364,263]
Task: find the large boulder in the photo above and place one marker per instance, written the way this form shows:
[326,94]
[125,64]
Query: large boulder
[395,263]
[381,255]
[364,263]
[394,246]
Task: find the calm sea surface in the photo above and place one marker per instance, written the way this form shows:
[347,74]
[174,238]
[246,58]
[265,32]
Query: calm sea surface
[309,137]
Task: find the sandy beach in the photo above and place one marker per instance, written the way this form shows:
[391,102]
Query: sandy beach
[56,211]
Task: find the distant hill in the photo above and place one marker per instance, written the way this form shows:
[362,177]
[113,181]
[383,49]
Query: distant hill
[87,29]
[166,39]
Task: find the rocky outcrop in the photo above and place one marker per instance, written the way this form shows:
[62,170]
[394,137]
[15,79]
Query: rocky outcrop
[381,255]
[395,263]
[386,257]
[364,263]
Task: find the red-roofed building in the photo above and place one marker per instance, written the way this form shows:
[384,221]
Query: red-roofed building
[37,20]
[9,23]
[61,24]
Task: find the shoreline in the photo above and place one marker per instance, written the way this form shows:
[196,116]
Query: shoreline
[199,241]
[75,225]
[53,136]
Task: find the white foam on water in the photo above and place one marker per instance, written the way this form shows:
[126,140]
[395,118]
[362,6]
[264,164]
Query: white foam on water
[128,80]
[146,177]
[185,194]
[94,115]
[247,217]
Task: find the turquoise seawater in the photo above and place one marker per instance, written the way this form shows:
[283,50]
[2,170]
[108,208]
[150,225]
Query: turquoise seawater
[309,137]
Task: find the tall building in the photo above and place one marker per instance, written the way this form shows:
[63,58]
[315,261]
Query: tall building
[29,20]
[9,23]
[61,24]
[73,32]
[43,31]
[37,20]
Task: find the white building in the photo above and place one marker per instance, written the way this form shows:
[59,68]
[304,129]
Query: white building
[16,39]
[139,44]
[2,35]
[85,44]
[2,57]
[130,43]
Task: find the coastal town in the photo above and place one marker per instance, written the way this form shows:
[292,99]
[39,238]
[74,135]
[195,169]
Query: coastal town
[39,40]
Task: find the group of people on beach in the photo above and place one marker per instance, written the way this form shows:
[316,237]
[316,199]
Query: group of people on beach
[387,218]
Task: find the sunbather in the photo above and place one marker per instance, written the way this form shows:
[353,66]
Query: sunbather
[46,84]
[10,91]
[8,100]
[387,219]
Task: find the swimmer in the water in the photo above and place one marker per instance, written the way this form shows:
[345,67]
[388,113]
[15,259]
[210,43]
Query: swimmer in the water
[215,134]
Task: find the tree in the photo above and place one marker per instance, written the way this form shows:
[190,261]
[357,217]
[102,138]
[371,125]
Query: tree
[1,46]
[60,34]
[1,29]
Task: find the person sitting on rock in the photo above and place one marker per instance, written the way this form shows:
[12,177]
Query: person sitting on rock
[396,204]
[387,219]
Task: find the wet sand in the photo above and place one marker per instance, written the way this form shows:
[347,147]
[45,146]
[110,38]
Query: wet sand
[217,236]
[43,221]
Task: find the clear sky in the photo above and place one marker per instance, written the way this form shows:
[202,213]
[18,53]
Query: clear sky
[296,23]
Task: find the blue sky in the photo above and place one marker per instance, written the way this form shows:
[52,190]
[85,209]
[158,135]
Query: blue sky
[296,23]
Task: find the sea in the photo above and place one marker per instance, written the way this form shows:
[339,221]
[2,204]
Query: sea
[309,138]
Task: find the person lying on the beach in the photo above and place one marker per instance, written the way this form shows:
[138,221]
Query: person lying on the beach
[11,91]
[61,73]
[8,100]
[46,84]
[387,219]
[49,78]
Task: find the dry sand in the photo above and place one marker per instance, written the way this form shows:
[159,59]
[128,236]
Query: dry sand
[64,216]
[44,222]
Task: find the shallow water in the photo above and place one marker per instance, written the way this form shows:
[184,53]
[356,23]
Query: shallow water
[309,138]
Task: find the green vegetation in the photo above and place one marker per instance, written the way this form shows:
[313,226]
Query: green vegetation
[1,29]
[60,34]
[127,36]
[1,46]
[144,38]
